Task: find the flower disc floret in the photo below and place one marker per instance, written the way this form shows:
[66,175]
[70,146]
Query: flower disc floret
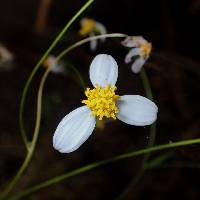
[102,101]
[87,26]
[146,49]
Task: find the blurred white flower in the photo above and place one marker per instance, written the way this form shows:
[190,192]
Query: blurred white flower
[75,128]
[91,27]
[6,58]
[56,67]
[140,48]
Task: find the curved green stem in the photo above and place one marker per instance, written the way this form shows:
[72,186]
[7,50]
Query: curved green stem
[35,136]
[149,94]
[34,141]
[31,147]
[101,163]
[25,90]
[146,83]
[111,35]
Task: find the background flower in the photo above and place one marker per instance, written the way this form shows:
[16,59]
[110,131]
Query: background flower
[140,48]
[91,27]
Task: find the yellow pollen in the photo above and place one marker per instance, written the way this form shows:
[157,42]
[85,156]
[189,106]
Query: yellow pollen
[102,101]
[87,26]
[146,49]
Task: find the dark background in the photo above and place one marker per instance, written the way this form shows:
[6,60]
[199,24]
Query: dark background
[173,69]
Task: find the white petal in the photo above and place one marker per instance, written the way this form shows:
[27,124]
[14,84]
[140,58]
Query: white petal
[136,110]
[129,42]
[103,70]
[139,40]
[137,65]
[134,41]
[102,29]
[93,43]
[131,53]
[73,130]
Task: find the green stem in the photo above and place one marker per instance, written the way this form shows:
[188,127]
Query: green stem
[25,90]
[34,141]
[35,136]
[101,163]
[31,147]
[111,35]
[149,94]
[146,83]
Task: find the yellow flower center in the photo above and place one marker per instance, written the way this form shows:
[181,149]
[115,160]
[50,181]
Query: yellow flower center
[146,49]
[87,26]
[102,101]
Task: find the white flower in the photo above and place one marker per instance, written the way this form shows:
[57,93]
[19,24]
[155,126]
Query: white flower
[91,27]
[78,125]
[6,58]
[56,67]
[139,47]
